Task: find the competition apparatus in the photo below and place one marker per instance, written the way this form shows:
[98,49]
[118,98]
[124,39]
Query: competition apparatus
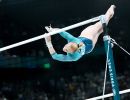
[110,63]
[108,42]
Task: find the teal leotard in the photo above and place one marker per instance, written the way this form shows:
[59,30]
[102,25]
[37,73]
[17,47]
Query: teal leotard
[87,48]
[70,56]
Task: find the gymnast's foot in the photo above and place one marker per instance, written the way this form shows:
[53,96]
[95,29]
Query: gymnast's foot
[110,12]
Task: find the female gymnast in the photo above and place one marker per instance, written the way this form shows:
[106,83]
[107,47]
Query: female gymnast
[79,46]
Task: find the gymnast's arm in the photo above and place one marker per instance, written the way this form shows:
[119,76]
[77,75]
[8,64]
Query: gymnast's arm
[59,57]
[64,34]
[49,45]
[64,58]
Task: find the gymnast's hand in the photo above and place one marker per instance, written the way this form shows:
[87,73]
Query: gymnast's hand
[50,29]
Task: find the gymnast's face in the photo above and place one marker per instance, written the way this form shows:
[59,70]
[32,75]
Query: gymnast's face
[71,47]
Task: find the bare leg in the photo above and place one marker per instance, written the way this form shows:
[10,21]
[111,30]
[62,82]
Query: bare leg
[92,32]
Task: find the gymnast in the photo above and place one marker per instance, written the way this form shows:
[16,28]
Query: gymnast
[79,46]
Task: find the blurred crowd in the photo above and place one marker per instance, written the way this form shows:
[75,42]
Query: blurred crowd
[76,87]
[32,60]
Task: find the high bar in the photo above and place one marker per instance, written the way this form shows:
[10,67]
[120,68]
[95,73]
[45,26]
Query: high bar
[50,33]
[109,95]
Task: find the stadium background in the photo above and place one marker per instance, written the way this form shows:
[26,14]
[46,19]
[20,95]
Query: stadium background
[28,72]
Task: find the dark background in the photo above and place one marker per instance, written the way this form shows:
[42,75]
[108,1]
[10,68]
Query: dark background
[24,19]
[27,18]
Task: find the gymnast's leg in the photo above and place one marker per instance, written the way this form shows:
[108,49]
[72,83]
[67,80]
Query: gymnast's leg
[92,32]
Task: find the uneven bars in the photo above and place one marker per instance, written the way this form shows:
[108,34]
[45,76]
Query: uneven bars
[50,33]
[108,95]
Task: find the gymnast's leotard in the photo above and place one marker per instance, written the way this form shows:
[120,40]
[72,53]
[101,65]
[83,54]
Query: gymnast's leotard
[85,49]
